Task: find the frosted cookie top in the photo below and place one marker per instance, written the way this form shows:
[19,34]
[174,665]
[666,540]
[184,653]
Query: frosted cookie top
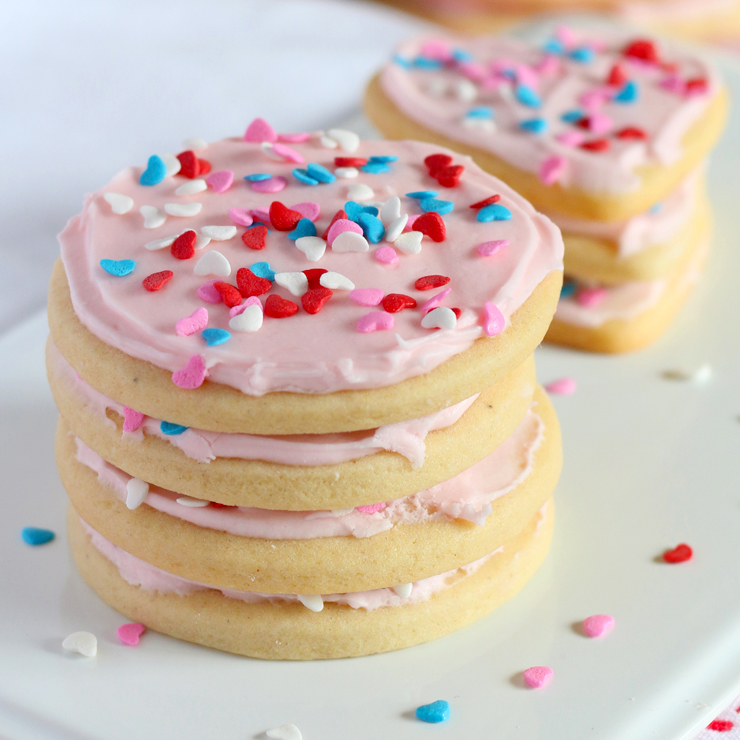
[582,110]
[305,263]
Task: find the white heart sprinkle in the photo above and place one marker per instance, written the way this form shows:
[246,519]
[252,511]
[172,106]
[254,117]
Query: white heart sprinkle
[191,187]
[484,124]
[404,590]
[213,263]
[347,140]
[285,732]
[347,173]
[201,240]
[395,228]
[192,503]
[84,643]
[153,217]
[249,320]
[328,143]
[437,88]
[172,164]
[194,143]
[466,91]
[136,493]
[312,246]
[219,233]
[119,203]
[163,243]
[350,241]
[313,602]
[390,210]
[409,242]
[336,281]
[440,318]
[295,282]
[270,152]
[183,210]
[359,191]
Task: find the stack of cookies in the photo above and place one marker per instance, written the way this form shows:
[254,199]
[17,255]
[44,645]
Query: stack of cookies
[299,414]
[604,132]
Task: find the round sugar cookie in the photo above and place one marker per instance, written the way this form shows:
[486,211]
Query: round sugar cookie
[549,124]
[324,564]
[377,477]
[339,334]
[289,631]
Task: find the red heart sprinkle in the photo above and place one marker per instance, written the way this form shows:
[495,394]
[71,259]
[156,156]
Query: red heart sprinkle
[430,282]
[617,76]
[395,302]
[314,277]
[679,554]
[487,202]
[584,122]
[204,166]
[282,218]
[631,132]
[184,246]
[350,161]
[189,166]
[216,505]
[278,307]
[249,284]
[449,177]
[339,214]
[157,280]
[697,85]
[254,237]
[597,145]
[436,162]
[229,294]
[642,49]
[313,300]
[432,225]
[720,725]
[457,312]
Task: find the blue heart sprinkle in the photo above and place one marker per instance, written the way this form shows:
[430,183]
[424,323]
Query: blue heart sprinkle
[215,337]
[304,177]
[372,227]
[534,125]
[568,290]
[572,116]
[385,159]
[372,210]
[657,208]
[320,173]
[263,270]
[402,61]
[426,63]
[168,427]
[35,536]
[437,711]
[527,96]
[437,206]
[583,54]
[628,94]
[482,111]
[119,268]
[419,194]
[376,168]
[305,227]
[494,212]
[553,46]
[257,177]
[460,55]
[353,210]
[155,172]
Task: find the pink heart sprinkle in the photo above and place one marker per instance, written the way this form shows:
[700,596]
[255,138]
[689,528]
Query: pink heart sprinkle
[493,320]
[308,210]
[435,300]
[549,65]
[253,300]
[132,420]
[436,49]
[273,185]
[591,297]
[367,296]
[129,634]
[566,35]
[387,255]
[561,387]
[240,216]
[593,99]
[599,123]
[375,321]
[674,84]
[192,375]
[553,168]
[472,70]
[208,293]
[291,155]
[220,181]
[259,130]
[339,227]
[410,222]
[488,249]
[570,138]
[538,676]
[260,214]
[525,75]
[371,509]
[598,625]
[190,324]
[294,138]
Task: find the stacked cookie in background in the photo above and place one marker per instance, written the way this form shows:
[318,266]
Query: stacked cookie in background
[604,132]
[299,413]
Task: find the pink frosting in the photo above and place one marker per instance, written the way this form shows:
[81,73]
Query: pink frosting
[442,98]
[407,438]
[467,496]
[304,353]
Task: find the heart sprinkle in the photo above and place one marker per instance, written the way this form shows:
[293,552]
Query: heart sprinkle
[84,643]
[488,249]
[599,625]
[679,554]
[136,493]
[437,711]
[284,732]
[493,320]
[561,387]
[34,536]
[157,280]
[155,172]
[197,321]
[538,677]
[118,268]
[119,204]
[192,375]
[129,634]
[132,420]
[375,321]
[429,282]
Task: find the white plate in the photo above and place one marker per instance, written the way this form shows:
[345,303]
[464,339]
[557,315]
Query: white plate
[649,463]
